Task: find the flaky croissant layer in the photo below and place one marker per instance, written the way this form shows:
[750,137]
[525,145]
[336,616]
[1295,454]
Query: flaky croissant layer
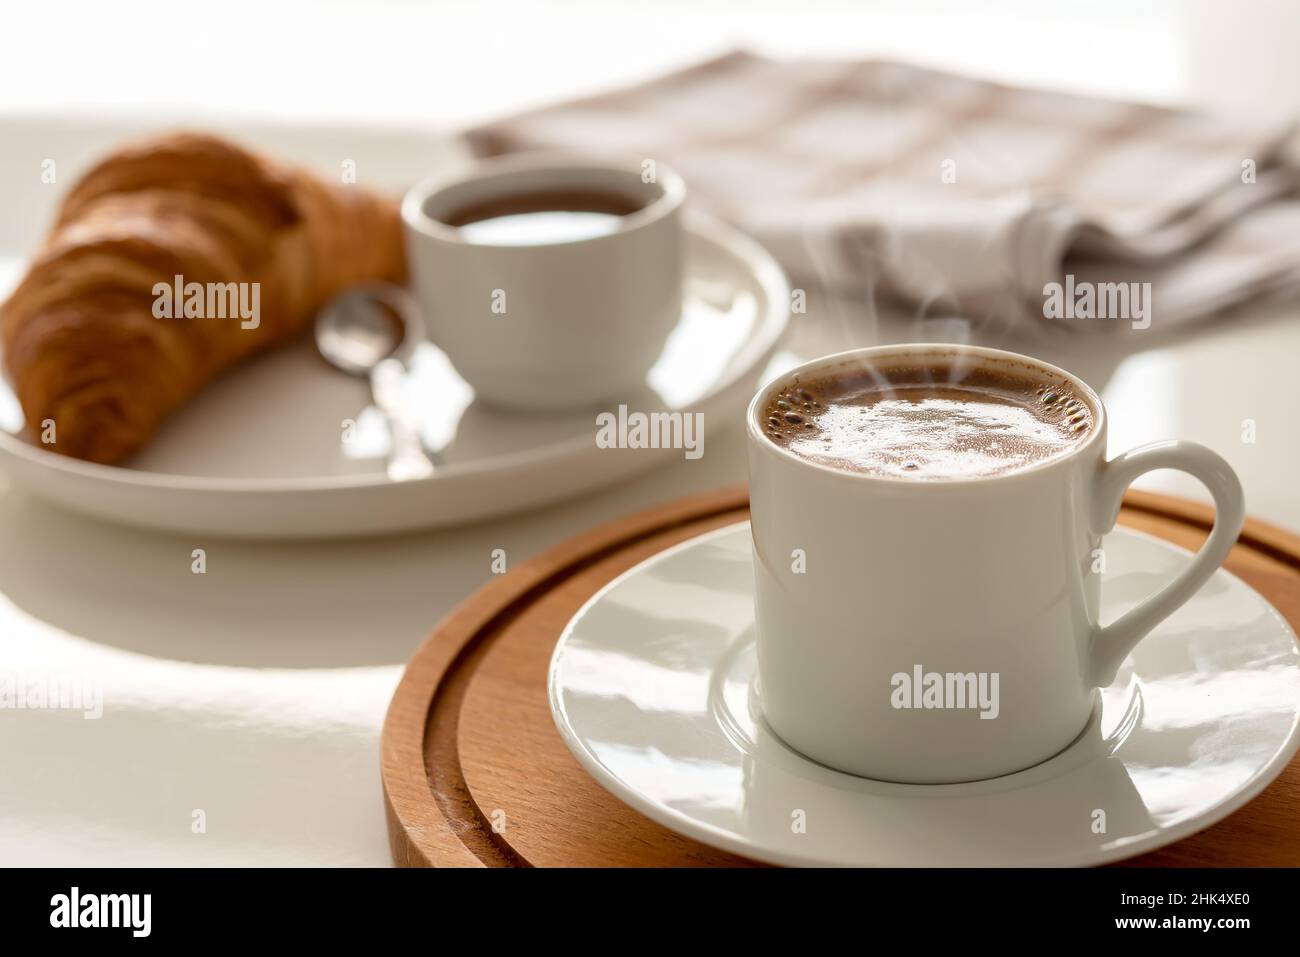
[169,262]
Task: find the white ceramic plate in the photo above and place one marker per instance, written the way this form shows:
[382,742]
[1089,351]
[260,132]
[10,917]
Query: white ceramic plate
[651,687]
[261,454]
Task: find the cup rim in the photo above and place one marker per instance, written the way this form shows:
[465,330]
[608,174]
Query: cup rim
[671,197]
[919,349]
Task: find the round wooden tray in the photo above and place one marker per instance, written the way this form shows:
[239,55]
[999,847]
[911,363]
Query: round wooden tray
[475,774]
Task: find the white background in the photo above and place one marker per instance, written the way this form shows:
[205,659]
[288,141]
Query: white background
[449,62]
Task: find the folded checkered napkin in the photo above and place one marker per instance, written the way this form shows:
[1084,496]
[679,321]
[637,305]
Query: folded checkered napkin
[958,195]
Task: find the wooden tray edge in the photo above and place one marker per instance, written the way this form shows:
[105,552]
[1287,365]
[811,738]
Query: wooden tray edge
[409,780]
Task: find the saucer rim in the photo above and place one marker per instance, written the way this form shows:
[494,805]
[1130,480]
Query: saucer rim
[714,836]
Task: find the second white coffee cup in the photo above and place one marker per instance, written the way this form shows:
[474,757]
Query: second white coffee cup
[553,324]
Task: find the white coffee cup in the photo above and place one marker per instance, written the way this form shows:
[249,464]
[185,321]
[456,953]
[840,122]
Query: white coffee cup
[981,576]
[550,325]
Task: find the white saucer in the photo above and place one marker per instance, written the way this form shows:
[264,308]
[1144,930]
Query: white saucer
[261,453]
[651,688]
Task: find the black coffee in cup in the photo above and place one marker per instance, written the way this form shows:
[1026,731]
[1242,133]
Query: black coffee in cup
[535,218]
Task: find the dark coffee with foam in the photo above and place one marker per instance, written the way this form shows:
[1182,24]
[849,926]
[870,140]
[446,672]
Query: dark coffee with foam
[928,420]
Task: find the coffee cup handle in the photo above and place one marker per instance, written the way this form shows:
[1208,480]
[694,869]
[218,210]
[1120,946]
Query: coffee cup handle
[1111,644]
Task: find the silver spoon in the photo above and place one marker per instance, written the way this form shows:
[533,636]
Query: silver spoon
[372,330]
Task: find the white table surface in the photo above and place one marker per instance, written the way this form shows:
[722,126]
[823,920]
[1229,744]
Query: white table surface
[255,693]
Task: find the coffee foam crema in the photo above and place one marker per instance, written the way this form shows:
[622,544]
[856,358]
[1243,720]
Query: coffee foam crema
[928,420]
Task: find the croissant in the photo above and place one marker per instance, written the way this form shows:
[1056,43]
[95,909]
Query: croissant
[168,263]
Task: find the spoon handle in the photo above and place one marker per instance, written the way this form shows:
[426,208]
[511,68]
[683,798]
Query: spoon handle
[407,460]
